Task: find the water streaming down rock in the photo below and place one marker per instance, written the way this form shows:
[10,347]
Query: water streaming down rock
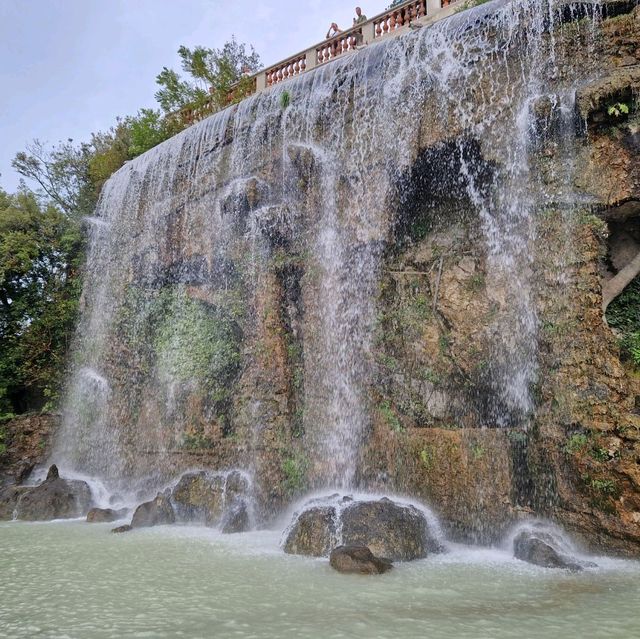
[233,289]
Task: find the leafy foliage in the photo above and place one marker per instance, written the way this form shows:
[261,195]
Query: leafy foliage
[623,314]
[212,74]
[40,254]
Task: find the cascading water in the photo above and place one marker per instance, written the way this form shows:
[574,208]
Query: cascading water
[187,239]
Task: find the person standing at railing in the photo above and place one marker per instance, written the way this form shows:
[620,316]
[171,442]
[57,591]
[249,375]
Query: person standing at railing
[360,17]
[334,29]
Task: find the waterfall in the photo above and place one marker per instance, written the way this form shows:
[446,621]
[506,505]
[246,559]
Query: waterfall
[187,238]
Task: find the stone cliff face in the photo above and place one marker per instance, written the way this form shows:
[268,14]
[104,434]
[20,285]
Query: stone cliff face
[394,283]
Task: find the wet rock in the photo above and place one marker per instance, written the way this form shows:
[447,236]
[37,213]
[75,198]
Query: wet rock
[55,498]
[236,486]
[546,549]
[236,519]
[313,533]
[397,531]
[154,513]
[9,498]
[199,497]
[101,515]
[122,529]
[359,560]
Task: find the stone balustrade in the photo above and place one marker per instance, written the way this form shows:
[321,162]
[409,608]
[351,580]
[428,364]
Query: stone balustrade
[391,22]
[400,16]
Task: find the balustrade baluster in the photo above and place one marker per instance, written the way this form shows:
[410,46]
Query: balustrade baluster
[303,65]
[422,9]
[385,24]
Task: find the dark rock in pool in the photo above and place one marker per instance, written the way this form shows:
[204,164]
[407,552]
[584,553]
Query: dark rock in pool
[545,548]
[122,529]
[313,533]
[236,519]
[199,497]
[101,515]
[359,560]
[154,513]
[9,498]
[397,531]
[54,498]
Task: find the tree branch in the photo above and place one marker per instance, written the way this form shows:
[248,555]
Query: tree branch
[614,287]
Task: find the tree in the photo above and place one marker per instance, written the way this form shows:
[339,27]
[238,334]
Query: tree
[61,172]
[41,251]
[210,72]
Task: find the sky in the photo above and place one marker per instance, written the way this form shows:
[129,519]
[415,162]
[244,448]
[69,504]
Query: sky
[70,67]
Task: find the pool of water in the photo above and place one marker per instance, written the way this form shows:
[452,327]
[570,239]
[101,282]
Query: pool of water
[76,580]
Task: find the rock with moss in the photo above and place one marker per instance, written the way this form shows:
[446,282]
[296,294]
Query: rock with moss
[199,497]
[313,532]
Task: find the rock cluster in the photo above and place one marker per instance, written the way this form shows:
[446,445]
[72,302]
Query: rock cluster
[399,532]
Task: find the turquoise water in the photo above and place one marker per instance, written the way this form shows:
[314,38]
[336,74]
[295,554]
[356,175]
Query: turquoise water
[76,580]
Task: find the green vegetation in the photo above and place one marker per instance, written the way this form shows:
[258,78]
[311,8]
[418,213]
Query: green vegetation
[216,77]
[618,109]
[285,99]
[623,315]
[577,443]
[41,251]
[389,416]
[295,470]
[478,451]
[3,445]
[427,457]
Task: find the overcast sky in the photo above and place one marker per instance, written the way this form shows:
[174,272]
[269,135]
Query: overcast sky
[69,67]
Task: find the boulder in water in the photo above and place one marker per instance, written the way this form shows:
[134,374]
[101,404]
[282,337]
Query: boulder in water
[397,531]
[236,519]
[101,515]
[54,498]
[199,497]
[389,529]
[359,560]
[313,533]
[546,548]
[154,513]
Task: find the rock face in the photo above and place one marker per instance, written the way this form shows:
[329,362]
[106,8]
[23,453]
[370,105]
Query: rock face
[154,513]
[55,498]
[545,548]
[397,531]
[359,560]
[199,497]
[26,439]
[101,515]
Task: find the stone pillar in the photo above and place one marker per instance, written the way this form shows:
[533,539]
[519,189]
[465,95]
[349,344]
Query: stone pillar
[433,7]
[310,59]
[368,32]
[261,81]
